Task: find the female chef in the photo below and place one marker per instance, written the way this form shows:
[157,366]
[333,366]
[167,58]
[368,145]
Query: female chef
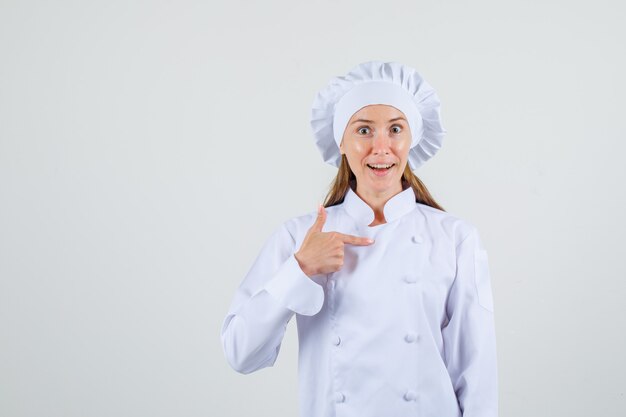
[392,294]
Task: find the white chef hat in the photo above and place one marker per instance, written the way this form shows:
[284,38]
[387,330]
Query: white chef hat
[376,82]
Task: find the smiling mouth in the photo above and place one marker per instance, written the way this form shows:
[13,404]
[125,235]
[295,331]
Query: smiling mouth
[380,169]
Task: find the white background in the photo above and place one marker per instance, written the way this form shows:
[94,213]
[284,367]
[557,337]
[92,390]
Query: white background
[147,150]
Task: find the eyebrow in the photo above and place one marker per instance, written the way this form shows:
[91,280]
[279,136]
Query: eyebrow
[371,121]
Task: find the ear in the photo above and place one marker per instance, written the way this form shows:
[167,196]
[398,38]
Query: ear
[341,147]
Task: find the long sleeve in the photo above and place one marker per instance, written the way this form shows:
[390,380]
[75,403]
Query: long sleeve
[469,336]
[273,290]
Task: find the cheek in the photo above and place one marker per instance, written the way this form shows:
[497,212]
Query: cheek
[357,150]
[402,148]
[359,147]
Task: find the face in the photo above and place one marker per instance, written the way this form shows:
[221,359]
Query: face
[377,135]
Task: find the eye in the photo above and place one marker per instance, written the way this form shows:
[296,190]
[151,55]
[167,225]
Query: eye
[363,128]
[397,128]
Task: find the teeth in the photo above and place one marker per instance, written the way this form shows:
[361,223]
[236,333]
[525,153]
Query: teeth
[380,166]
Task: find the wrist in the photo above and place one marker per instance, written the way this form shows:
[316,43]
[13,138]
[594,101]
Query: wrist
[303,267]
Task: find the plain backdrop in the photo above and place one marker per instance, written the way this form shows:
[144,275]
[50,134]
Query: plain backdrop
[148,148]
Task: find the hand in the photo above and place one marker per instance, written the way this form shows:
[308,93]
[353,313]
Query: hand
[322,252]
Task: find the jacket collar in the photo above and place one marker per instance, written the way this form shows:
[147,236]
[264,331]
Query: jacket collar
[396,207]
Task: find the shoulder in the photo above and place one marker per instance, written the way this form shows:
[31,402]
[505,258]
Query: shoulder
[301,223]
[456,228]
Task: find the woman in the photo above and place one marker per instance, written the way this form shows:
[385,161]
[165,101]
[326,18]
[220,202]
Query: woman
[391,294]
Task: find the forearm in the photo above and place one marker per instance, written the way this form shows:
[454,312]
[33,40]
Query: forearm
[254,327]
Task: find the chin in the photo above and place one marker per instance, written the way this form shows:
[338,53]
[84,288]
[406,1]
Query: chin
[382,186]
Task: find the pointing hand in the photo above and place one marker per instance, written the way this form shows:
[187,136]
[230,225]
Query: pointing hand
[322,252]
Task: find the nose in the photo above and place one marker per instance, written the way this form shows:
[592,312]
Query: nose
[381,144]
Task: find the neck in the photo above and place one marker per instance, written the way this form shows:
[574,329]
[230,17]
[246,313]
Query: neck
[377,199]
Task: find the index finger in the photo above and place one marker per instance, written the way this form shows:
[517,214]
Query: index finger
[355,240]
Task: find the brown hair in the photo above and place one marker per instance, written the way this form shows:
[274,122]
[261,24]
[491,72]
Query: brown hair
[345,178]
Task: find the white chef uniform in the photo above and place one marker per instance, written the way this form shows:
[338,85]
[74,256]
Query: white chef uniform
[404,328]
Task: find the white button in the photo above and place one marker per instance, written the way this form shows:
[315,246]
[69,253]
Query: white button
[410,279]
[417,239]
[330,284]
[410,395]
[339,397]
[410,337]
[336,340]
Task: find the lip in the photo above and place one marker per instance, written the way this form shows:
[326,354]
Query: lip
[379,173]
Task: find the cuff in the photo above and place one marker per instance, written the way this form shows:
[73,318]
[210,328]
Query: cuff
[295,290]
